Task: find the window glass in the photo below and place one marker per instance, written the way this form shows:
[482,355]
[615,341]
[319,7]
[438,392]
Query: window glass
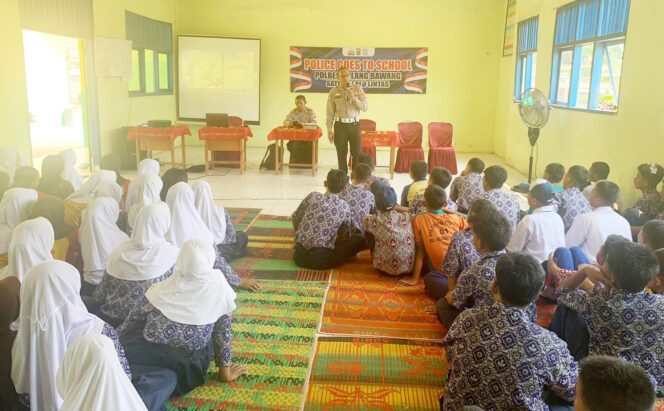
[583,89]
[149,71]
[565,76]
[163,72]
[135,81]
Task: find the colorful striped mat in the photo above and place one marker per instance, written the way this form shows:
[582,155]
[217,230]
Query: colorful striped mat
[270,253]
[363,302]
[274,332]
[243,217]
[376,373]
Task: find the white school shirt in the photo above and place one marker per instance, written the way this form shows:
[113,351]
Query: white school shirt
[589,189]
[590,230]
[538,234]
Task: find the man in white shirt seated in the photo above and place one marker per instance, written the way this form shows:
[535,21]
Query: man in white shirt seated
[541,232]
[590,230]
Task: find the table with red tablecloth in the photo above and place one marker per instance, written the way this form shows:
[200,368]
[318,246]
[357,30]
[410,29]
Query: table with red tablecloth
[382,139]
[229,140]
[280,134]
[158,139]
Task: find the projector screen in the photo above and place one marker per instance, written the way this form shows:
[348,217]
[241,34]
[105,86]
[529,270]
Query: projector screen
[218,75]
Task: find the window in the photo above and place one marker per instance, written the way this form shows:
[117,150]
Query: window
[526,57]
[587,54]
[151,56]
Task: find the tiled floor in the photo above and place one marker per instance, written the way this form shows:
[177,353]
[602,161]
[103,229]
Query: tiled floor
[281,194]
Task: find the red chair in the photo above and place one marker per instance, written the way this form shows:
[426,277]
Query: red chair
[410,146]
[233,121]
[366,125]
[441,150]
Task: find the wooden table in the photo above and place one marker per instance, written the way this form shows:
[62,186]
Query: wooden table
[280,134]
[158,139]
[383,139]
[225,139]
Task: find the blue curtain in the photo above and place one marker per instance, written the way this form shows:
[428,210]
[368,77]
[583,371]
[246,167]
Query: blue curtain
[528,35]
[613,17]
[566,24]
[147,33]
[586,27]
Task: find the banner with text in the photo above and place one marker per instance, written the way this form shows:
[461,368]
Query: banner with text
[376,70]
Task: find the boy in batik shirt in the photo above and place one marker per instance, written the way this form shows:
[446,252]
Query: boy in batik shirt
[570,202]
[439,176]
[468,186]
[358,196]
[494,178]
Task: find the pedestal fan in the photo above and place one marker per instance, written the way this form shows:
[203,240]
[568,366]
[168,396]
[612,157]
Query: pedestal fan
[535,111]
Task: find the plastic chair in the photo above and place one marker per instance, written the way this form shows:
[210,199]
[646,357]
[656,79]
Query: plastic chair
[441,147]
[235,121]
[410,146]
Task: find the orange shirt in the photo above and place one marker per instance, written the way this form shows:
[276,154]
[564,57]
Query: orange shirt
[435,232]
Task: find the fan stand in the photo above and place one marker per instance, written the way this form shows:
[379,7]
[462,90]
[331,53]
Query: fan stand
[533,135]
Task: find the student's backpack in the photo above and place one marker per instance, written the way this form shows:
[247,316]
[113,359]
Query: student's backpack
[268,161]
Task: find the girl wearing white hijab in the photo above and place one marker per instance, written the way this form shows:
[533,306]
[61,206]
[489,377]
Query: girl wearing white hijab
[181,319]
[32,242]
[14,208]
[77,201]
[149,186]
[10,159]
[232,244]
[146,166]
[98,236]
[51,317]
[186,224]
[91,378]
[135,265]
[70,173]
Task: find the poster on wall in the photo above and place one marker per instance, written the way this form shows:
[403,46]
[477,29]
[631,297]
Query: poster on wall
[510,28]
[376,70]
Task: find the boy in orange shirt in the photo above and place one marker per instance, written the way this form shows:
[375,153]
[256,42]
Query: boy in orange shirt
[433,232]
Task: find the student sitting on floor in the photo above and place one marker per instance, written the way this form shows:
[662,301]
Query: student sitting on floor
[357,195]
[623,319]
[494,178]
[15,206]
[148,188]
[570,203]
[589,230]
[70,173]
[418,172]
[366,159]
[491,232]
[468,186]
[652,234]
[541,232]
[51,182]
[394,249]
[598,171]
[433,232]
[656,285]
[26,177]
[553,173]
[146,166]
[608,383]
[78,201]
[171,177]
[648,176]
[498,358]
[323,227]
[113,163]
[439,176]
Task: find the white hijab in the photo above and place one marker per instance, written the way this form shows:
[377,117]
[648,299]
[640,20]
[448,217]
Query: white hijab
[70,173]
[146,166]
[99,234]
[91,378]
[196,294]
[51,317]
[185,221]
[149,186]
[213,216]
[15,206]
[10,159]
[32,242]
[108,189]
[147,254]
[86,192]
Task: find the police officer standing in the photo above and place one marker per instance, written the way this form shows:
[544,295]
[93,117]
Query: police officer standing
[344,104]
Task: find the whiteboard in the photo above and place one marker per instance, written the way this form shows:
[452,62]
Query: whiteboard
[218,75]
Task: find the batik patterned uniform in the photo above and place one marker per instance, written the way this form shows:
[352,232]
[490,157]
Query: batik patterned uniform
[231,236]
[499,360]
[461,254]
[569,204]
[221,264]
[650,204]
[394,252]
[361,202]
[417,205]
[506,203]
[118,297]
[158,329]
[466,189]
[318,219]
[109,331]
[622,324]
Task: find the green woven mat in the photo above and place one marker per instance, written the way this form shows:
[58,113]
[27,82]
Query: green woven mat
[242,217]
[274,332]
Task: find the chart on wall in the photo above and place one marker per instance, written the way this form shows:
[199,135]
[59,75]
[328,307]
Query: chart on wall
[376,70]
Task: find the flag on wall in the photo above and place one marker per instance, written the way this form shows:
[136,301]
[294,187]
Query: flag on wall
[510,28]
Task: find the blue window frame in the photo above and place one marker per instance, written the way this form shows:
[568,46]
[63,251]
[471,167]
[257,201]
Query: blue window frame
[588,47]
[526,56]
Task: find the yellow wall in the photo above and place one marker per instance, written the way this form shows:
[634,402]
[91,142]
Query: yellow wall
[14,103]
[624,140]
[464,40]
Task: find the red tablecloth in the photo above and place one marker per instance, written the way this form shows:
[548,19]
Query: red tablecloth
[224,133]
[298,134]
[157,133]
[380,139]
